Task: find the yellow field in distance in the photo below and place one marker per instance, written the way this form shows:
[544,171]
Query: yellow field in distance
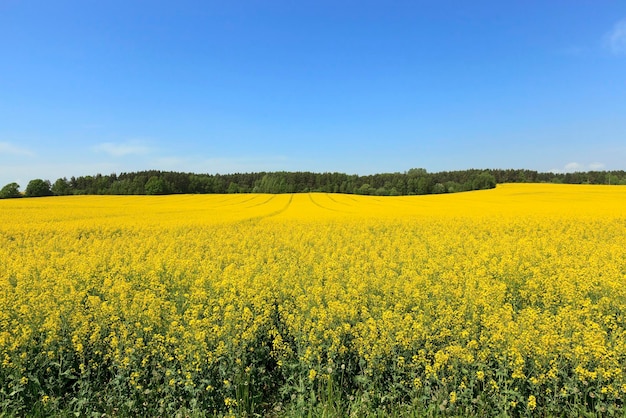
[505,200]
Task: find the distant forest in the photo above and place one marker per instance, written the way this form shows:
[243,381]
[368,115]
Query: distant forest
[416,181]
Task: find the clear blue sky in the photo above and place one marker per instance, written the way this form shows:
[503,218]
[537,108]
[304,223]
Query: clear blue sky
[362,87]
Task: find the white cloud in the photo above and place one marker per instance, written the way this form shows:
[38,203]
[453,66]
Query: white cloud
[50,170]
[615,40]
[244,164]
[6,148]
[170,162]
[122,149]
[574,166]
[195,164]
[596,166]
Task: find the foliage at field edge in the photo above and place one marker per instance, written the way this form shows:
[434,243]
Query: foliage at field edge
[504,302]
[412,182]
[416,181]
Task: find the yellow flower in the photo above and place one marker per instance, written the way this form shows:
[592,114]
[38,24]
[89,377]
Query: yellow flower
[230,402]
[523,281]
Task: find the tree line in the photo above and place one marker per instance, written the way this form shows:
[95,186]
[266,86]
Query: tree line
[416,181]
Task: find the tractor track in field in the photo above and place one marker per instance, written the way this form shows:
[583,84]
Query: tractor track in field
[272,214]
[262,203]
[324,207]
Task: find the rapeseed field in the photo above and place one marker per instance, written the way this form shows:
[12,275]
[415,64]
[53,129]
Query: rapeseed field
[504,302]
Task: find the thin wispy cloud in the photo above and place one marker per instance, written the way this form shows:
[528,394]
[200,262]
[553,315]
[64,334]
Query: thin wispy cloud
[199,164]
[615,40]
[167,162]
[575,166]
[123,149]
[7,148]
[244,164]
[596,166]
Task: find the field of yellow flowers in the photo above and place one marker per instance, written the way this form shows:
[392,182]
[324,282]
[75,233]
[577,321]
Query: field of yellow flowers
[504,302]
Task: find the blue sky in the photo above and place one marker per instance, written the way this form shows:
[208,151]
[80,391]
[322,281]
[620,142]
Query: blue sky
[362,87]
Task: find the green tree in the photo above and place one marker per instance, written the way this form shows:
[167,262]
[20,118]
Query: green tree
[417,172]
[423,185]
[155,185]
[484,181]
[61,187]
[613,179]
[233,188]
[381,191]
[439,188]
[452,187]
[9,191]
[38,188]
[364,189]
